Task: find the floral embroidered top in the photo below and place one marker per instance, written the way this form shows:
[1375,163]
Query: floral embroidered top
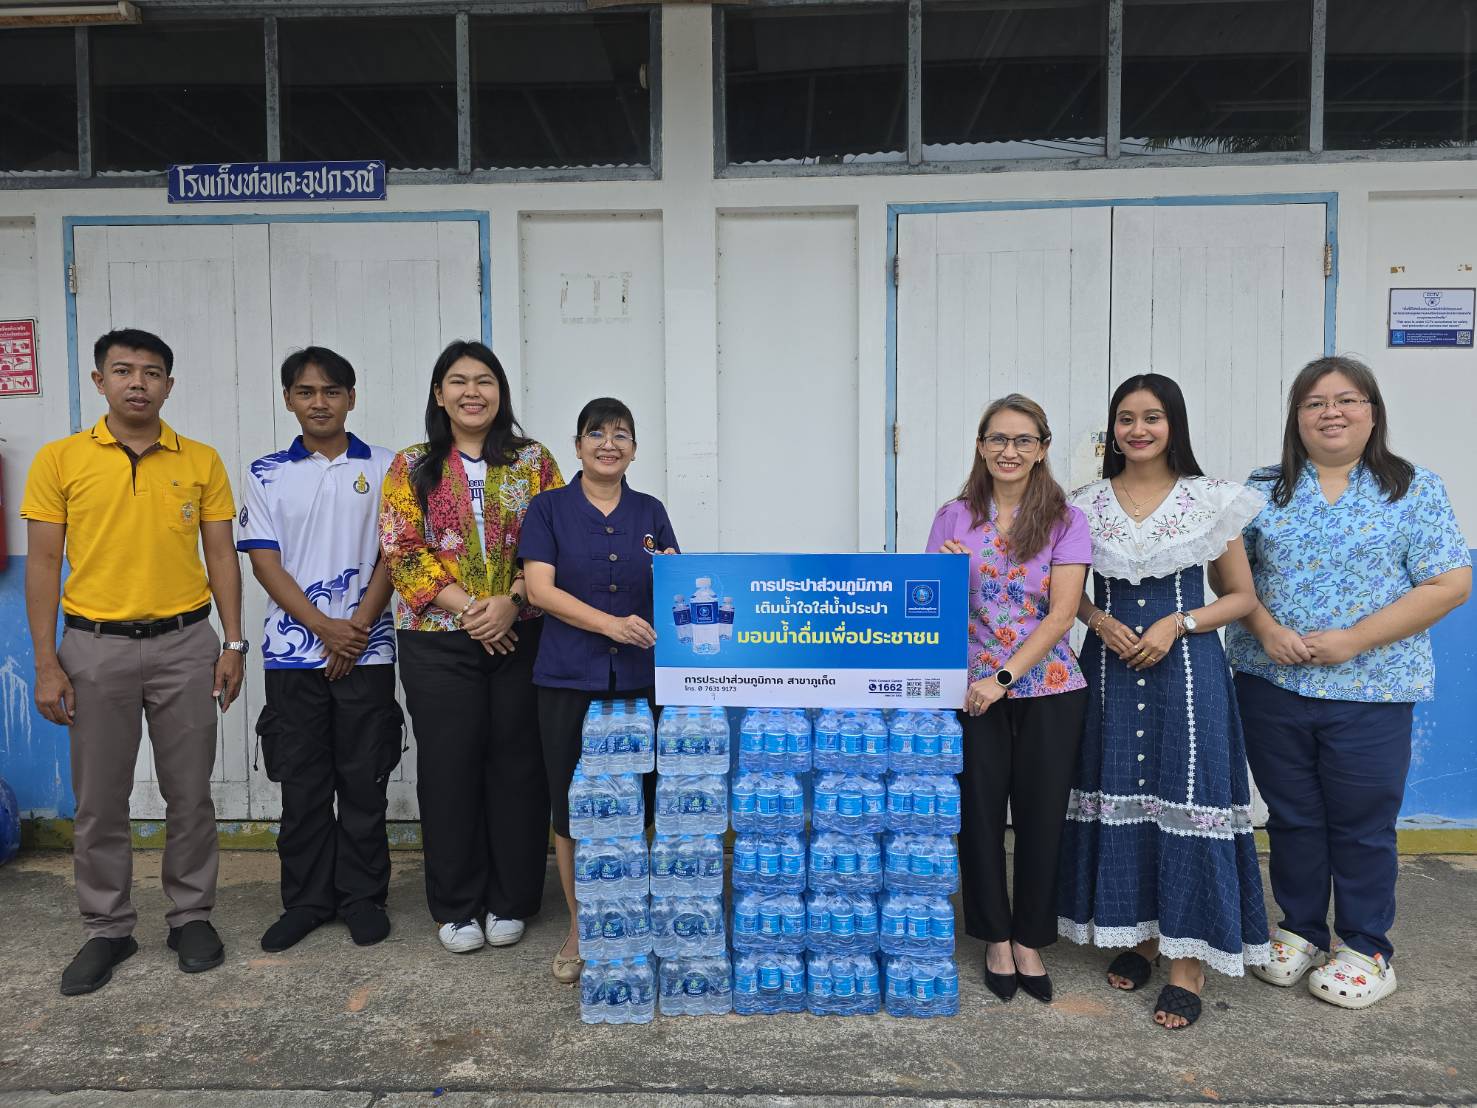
[1321,566]
[1191,526]
[426,552]
[1008,599]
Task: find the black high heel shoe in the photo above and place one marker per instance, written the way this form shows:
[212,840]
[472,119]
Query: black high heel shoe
[1002,985]
[1038,985]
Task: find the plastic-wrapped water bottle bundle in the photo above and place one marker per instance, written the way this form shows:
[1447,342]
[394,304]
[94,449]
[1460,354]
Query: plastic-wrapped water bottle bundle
[768,922]
[682,925]
[617,737]
[841,923]
[768,983]
[614,928]
[775,740]
[692,740]
[916,924]
[851,741]
[687,865]
[606,806]
[919,863]
[695,985]
[607,869]
[767,802]
[852,803]
[622,990]
[772,862]
[921,987]
[695,804]
[842,984]
[852,863]
[927,803]
[925,742]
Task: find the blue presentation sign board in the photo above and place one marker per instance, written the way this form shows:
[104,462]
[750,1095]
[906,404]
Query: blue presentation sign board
[812,630]
[252,181]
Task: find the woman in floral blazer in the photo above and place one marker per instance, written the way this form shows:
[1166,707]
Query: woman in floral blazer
[450,520]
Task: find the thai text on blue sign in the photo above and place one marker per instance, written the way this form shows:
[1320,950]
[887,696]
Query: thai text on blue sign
[247,181]
[812,630]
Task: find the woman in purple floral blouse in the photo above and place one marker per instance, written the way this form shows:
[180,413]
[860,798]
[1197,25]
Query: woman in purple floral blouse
[1028,556]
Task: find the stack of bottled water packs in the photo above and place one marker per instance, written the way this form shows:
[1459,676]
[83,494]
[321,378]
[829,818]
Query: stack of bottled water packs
[611,870]
[687,916]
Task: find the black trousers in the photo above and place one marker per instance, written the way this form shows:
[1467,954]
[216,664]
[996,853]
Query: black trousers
[480,780]
[561,718]
[326,742]
[1021,753]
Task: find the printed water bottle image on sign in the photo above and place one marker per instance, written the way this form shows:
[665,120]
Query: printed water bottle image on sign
[813,630]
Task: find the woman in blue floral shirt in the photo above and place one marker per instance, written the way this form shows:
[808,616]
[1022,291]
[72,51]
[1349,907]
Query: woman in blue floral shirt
[1356,555]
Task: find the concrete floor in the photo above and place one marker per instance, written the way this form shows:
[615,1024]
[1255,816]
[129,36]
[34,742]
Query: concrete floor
[328,1025]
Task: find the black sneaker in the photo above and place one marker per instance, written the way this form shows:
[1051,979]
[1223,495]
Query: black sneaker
[368,924]
[92,968]
[294,925]
[199,947]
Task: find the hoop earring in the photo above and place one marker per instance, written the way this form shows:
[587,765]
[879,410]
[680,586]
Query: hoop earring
[1113,445]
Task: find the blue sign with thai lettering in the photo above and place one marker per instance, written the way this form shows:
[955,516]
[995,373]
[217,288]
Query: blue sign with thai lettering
[812,630]
[245,182]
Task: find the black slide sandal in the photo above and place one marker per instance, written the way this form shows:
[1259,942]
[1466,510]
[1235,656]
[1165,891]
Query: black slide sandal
[1175,1001]
[1133,967]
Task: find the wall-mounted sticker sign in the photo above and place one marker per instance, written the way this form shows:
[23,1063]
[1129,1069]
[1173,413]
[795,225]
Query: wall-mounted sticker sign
[812,630]
[18,373]
[249,182]
[1432,317]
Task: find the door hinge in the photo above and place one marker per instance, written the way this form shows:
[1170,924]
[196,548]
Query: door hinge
[897,266]
[72,278]
[1328,259]
[896,438]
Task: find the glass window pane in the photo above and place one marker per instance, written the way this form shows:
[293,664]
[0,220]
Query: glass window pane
[1019,79]
[169,94]
[808,87]
[38,100]
[1215,78]
[1400,76]
[560,90]
[369,88]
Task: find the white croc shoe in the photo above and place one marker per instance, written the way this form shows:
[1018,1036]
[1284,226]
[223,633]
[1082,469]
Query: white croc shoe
[1352,980]
[1292,956]
[461,938]
[503,932]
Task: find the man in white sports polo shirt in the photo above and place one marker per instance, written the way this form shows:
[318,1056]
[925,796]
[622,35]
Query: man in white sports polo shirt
[331,728]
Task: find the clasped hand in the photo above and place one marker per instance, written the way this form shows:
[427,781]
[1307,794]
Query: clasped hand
[490,622]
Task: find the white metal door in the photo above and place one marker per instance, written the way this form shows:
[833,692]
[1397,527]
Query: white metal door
[203,289]
[990,303]
[389,297]
[1228,301]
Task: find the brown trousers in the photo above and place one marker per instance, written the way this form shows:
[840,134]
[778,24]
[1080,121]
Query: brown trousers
[119,682]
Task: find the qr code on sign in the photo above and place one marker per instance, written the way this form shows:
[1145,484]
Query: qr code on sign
[915,687]
[933,687]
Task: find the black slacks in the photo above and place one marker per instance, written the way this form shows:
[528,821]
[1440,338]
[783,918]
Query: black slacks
[328,741]
[1022,753]
[480,780]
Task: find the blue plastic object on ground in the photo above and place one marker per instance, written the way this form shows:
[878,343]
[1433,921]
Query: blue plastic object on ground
[10,823]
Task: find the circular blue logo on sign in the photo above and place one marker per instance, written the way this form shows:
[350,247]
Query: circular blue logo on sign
[922,594]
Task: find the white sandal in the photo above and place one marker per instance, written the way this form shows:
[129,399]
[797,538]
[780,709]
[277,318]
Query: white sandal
[1292,956]
[1350,979]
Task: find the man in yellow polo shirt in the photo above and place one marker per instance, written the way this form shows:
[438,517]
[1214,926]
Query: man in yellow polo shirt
[130,503]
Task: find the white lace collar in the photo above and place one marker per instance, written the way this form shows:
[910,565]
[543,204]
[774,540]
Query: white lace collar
[1189,528]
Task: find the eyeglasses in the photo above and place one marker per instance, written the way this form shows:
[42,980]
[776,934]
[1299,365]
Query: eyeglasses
[1024,444]
[1346,404]
[620,439]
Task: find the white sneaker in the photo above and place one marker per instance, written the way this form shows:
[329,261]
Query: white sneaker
[461,938]
[1292,956]
[1351,979]
[503,932]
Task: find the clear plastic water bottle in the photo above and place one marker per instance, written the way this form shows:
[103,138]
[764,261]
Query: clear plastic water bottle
[620,990]
[917,925]
[687,925]
[643,734]
[921,987]
[705,627]
[826,741]
[897,987]
[951,744]
[874,745]
[751,741]
[696,985]
[593,759]
[605,806]
[768,983]
[619,740]
[630,815]
[768,921]
[798,742]
[920,863]
[691,804]
[899,802]
[619,928]
[927,741]
[773,723]
[725,618]
[850,803]
[682,618]
[842,984]
[900,742]
[581,805]
[716,727]
[610,868]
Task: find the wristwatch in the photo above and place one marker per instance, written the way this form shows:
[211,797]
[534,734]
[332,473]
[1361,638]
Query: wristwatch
[241,646]
[1190,624]
[1004,678]
[517,597]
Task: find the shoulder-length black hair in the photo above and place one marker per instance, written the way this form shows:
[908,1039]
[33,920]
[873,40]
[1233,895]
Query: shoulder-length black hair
[1390,471]
[504,438]
[1180,455]
[1043,505]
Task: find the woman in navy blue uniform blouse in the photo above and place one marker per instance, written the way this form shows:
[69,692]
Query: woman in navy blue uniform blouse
[586,550]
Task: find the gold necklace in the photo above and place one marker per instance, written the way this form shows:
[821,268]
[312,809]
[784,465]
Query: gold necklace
[1138,511]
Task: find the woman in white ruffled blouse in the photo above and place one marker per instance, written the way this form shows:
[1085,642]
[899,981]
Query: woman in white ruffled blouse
[1158,853]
